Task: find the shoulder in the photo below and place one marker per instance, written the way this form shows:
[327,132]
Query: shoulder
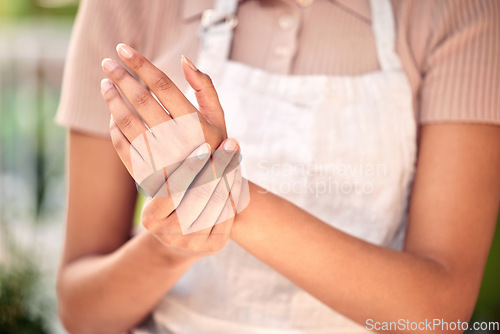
[425,26]
[450,50]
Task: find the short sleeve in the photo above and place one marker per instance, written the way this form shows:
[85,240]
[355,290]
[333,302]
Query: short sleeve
[461,70]
[99,26]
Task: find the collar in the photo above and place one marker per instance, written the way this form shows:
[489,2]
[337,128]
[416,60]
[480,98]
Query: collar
[193,8]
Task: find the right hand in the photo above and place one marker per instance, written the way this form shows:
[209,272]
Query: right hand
[208,206]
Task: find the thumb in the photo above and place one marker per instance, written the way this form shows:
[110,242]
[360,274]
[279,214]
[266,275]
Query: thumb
[206,95]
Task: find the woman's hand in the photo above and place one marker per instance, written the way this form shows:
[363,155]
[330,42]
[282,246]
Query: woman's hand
[191,192]
[198,222]
[210,114]
[174,135]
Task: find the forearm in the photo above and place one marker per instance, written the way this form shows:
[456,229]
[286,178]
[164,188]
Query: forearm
[344,272]
[112,293]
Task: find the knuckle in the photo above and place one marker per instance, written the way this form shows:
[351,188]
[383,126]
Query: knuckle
[126,120]
[138,62]
[177,185]
[201,192]
[110,95]
[118,143]
[174,187]
[219,195]
[193,166]
[119,74]
[142,98]
[162,83]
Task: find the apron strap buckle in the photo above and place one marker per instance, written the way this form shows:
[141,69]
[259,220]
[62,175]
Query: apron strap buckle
[210,19]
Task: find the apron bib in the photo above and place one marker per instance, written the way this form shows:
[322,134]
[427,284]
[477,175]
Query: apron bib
[340,147]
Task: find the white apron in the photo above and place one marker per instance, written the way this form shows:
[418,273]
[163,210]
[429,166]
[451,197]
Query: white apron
[340,147]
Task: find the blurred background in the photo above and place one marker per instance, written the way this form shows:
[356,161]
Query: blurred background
[34,36]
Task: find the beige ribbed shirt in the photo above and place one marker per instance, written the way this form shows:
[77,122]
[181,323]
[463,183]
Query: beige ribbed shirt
[450,49]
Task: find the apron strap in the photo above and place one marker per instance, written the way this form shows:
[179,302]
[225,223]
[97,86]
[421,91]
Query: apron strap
[216,32]
[385,38]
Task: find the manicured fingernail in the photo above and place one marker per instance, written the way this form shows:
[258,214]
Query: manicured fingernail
[203,151]
[189,63]
[230,145]
[106,85]
[124,50]
[109,64]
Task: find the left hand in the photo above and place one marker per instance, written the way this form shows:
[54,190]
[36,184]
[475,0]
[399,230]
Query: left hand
[125,126]
[174,140]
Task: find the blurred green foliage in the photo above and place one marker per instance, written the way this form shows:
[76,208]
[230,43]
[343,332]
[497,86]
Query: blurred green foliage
[488,303]
[21,310]
[16,287]
[30,8]
[27,135]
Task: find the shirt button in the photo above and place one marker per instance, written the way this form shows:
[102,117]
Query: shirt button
[282,51]
[287,22]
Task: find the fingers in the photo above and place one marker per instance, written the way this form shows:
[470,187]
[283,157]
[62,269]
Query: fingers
[229,158]
[222,229]
[124,118]
[125,150]
[224,159]
[197,191]
[168,230]
[182,178]
[175,185]
[215,204]
[204,201]
[206,95]
[190,204]
[235,192]
[165,90]
[139,97]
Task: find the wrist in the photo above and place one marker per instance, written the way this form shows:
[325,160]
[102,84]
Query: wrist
[168,257]
[244,216]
